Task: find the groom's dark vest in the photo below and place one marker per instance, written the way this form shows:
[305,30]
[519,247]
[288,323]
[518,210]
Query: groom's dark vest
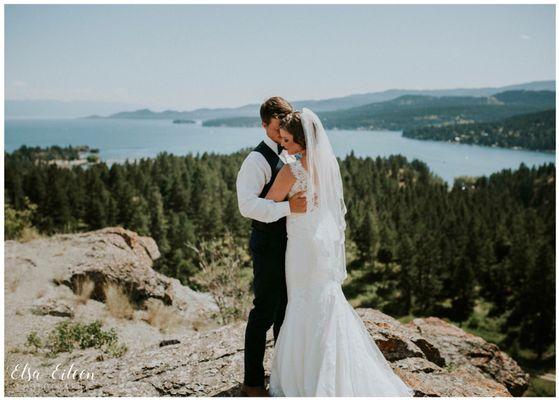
[275,165]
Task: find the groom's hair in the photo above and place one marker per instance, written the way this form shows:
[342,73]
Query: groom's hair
[274,107]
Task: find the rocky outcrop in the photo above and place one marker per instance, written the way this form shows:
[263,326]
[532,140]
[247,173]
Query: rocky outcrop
[210,364]
[110,255]
[44,284]
[432,356]
[470,352]
[431,346]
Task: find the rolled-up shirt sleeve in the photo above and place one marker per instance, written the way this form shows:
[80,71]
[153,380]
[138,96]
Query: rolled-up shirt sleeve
[251,179]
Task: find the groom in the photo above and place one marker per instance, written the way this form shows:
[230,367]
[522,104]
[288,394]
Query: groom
[268,240]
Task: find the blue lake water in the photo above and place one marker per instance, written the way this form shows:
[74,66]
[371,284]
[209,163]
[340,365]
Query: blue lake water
[118,140]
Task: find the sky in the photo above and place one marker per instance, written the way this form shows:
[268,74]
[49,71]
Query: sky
[189,56]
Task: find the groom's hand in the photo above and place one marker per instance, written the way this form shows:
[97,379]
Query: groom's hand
[298,202]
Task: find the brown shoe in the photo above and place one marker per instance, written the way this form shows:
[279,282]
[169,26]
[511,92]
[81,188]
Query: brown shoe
[254,391]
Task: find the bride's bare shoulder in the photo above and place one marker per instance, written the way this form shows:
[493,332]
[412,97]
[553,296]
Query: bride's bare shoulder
[285,173]
[282,184]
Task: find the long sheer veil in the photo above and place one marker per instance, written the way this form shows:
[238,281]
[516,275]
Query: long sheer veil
[325,199]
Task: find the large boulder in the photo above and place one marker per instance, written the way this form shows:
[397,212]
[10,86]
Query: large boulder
[111,255]
[43,279]
[459,348]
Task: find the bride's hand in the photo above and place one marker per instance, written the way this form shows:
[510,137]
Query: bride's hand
[298,202]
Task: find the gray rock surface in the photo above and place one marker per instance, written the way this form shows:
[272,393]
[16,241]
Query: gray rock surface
[42,278]
[432,356]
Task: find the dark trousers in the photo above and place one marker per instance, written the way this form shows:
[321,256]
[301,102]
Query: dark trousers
[270,299]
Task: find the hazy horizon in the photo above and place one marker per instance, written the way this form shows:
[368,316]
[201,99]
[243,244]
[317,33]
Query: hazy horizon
[140,106]
[185,57]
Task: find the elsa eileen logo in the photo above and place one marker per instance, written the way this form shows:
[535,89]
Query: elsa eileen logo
[58,373]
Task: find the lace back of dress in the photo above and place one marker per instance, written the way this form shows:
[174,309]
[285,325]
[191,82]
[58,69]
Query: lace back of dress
[300,175]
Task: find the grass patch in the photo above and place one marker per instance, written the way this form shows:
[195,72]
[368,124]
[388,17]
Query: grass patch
[161,316]
[540,388]
[480,324]
[117,302]
[84,289]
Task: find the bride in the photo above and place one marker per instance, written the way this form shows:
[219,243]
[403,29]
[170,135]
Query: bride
[323,348]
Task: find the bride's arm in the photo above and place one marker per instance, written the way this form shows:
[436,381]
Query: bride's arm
[282,185]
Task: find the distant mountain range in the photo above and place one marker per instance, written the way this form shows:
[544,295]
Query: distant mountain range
[60,109]
[54,108]
[513,118]
[413,111]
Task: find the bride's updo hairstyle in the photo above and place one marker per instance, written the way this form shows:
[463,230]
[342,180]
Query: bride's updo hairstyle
[292,123]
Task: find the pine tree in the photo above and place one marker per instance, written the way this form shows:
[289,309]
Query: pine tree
[158,221]
[368,237]
[408,265]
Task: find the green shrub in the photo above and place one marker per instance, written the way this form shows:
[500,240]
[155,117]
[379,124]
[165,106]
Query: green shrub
[18,223]
[92,158]
[67,336]
[224,271]
[33,340]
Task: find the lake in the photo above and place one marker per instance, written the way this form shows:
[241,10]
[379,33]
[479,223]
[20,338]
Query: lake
[118,140]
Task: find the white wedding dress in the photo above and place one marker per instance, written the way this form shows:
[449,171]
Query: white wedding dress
[323,348]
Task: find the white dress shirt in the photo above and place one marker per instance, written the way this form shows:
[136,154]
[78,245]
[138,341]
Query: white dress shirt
[254,174]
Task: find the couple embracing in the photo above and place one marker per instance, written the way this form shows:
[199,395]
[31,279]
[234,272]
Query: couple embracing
[290,186]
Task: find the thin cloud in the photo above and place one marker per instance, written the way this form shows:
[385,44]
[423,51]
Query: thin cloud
[525,36]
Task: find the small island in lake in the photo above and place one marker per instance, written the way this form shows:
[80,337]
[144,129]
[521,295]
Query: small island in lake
[183,121]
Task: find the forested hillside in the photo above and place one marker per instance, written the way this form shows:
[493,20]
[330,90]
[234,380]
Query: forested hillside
[415,111]
[482,252]
[534,131]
